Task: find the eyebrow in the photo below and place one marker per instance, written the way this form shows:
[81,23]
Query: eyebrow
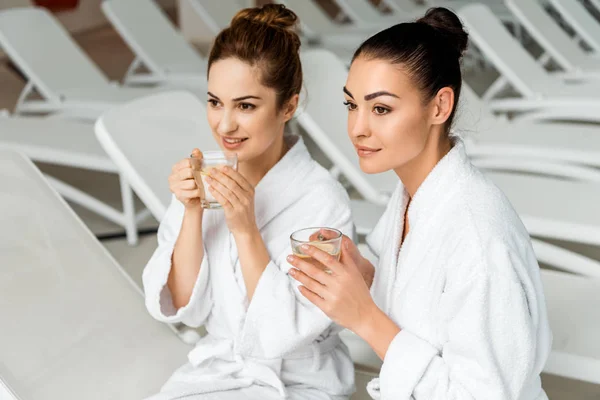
[380,93]
[372,95]
[237,98]
[348,92]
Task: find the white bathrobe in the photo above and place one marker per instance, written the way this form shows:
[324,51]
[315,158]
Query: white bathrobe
[279,344]
[465,290]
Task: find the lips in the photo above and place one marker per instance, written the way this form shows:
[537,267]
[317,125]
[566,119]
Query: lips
[231,143]
[364,151]
[234,140]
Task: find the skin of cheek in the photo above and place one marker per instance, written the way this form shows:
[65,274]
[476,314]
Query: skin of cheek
[402,135]
[261,126]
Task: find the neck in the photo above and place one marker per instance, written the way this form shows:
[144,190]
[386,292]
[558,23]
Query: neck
[413,173]
[254,170]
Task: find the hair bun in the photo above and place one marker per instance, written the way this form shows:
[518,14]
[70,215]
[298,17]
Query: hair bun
[274,15]
[447,23]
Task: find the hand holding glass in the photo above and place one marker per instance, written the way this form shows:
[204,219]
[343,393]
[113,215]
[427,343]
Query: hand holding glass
[201,169]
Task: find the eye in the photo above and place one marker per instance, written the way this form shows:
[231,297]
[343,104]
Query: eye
[380,110]
[213,103]
[246,106]
[350,106]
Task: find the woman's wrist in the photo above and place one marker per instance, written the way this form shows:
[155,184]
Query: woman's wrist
[377,329]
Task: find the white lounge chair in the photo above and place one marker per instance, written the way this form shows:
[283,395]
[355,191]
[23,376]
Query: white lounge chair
[169,125]
[56,68]
[576,63]
[343,39]
[158,46]
[216,15]
[76,323]
[572,302]
[579,18]
[541,92]
[540,200]
[71,144]
[365,13]
[488,135]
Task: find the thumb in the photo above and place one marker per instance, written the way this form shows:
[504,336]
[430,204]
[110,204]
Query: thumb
[196,153]
[349,246]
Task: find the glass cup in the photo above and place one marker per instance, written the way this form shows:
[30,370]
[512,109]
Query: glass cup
[201,168]
[326,239]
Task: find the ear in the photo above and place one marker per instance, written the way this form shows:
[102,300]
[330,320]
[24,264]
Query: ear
[290,107]
[443,103]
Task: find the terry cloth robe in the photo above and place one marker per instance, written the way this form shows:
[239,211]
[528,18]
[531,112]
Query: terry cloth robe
[279,341]
[464,288]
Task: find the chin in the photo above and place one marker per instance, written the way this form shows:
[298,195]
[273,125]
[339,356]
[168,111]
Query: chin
[372,167]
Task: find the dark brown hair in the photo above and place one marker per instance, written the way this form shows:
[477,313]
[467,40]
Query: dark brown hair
[264,37]
[430,50]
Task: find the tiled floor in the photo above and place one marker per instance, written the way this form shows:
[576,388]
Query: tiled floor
[109,52]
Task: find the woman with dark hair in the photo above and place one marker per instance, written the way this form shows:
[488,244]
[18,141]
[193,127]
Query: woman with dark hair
[227,269]
[456,308]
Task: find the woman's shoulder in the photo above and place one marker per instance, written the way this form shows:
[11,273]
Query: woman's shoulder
[484,226]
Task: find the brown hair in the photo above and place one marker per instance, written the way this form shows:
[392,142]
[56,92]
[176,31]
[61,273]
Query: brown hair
[430,49]
[264,37]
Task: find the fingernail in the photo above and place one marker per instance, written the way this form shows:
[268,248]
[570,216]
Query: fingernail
[208,179]
[305,247]
[292,272]
[290,258]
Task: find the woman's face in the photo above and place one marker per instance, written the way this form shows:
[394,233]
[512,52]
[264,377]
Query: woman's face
[388,122]
[241,112]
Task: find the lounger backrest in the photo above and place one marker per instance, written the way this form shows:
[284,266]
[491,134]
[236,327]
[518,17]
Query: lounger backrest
[147,136]
[45,52]
[504,51]
[75,324]
[581,20]
[216,15]
[360,10]
[313,19]
[152,37]
[548,33]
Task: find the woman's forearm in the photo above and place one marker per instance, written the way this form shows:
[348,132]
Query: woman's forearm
[254,259]
[378,330]
[186,259]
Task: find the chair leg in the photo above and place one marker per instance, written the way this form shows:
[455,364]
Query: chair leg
[129,211]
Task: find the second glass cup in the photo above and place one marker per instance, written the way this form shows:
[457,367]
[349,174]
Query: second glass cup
[201,168]
[326,239]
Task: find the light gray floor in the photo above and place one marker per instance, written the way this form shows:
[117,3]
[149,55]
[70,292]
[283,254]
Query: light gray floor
[109,52]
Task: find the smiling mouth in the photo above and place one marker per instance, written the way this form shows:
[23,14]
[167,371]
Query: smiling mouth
[234,141]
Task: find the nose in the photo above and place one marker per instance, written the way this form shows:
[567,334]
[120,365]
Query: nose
[227,124]
[358,124]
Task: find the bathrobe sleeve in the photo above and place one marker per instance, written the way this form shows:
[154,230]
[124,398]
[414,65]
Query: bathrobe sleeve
[491,346]
[158,297]
[279,318]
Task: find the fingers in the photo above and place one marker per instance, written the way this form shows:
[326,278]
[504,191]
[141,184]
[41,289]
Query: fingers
[217,188]
[309,269]
[187,194]
[312,297]
[238,178]
[308,282]
[196,153]
[185,163]
[188,184]
[323,234]
[223,201]
[324,258]
[227,183]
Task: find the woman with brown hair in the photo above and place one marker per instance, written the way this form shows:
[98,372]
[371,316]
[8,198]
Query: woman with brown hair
[226,269]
